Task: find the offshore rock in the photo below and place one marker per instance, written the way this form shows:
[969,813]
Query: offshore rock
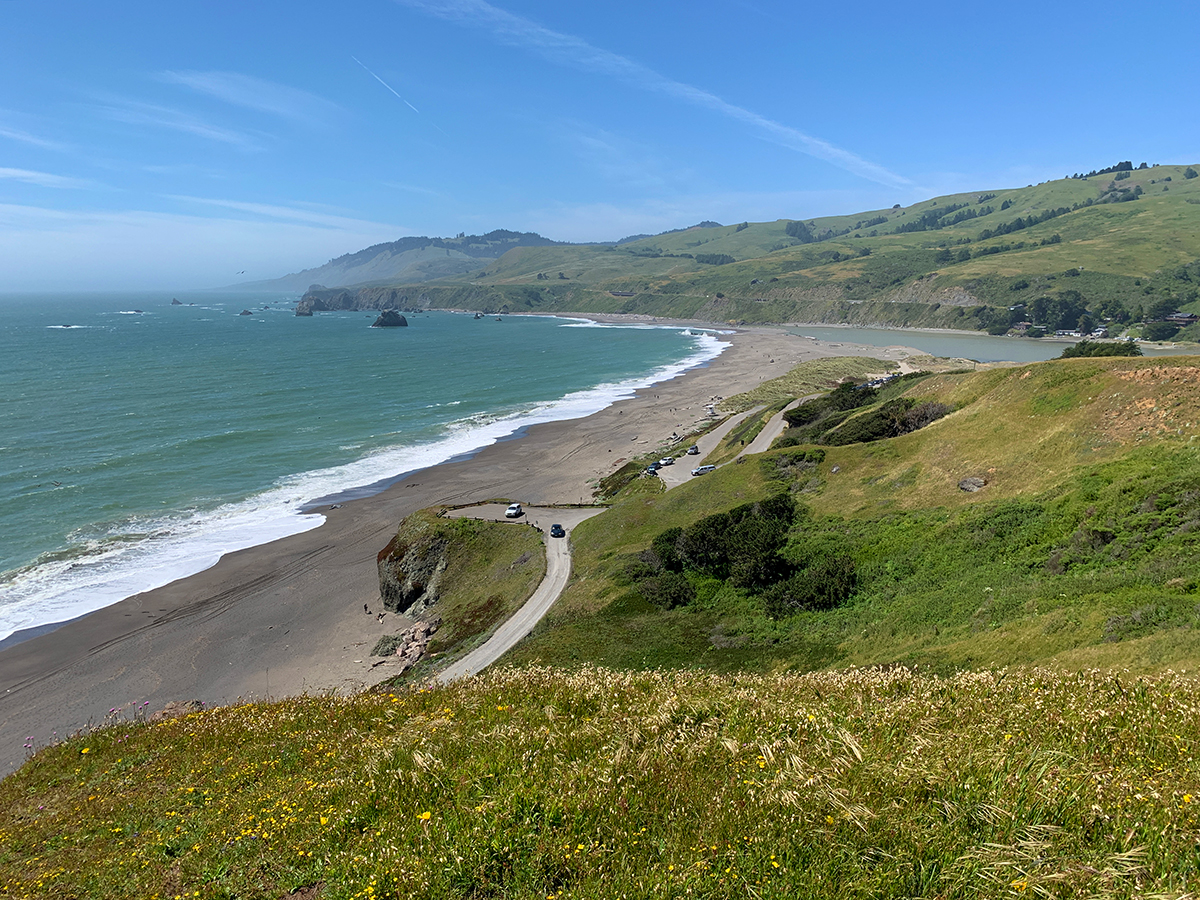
[389,318]
[245,312]
[323,299]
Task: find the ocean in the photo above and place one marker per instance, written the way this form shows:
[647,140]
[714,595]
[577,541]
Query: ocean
[140,440]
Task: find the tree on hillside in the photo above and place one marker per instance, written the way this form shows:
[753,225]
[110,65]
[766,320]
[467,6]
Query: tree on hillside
[1189,172]
[1096,348]
[800,231]
[1159,331]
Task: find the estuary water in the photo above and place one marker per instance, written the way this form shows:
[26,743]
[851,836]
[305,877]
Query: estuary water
[141,440]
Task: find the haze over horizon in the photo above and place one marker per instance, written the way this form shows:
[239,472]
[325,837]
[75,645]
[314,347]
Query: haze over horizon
[164,147]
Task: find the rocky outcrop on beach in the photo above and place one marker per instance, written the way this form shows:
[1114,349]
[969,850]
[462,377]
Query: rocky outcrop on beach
[410,572]
[408,646]
[389,318]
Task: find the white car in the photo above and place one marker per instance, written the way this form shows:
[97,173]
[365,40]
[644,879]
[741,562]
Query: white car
[667,461]
[703,470]
[514,511]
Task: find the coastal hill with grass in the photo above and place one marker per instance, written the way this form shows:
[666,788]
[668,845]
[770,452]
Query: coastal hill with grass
[939,641]
[1116,248]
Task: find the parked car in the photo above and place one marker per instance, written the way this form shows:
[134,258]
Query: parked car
[667,461]
[514,511]
[557,530]
[693,450]
[653,467]
[703,470]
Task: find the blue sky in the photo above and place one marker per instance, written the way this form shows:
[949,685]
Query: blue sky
[175,145]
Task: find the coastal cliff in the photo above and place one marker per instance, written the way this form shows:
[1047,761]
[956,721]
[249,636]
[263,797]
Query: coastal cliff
[411,567]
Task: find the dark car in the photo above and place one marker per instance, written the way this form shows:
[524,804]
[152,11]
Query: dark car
[653,467]
[557,530]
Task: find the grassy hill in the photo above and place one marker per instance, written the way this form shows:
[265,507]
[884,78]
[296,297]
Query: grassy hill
[997,704]
[1128,241]
[1080,550]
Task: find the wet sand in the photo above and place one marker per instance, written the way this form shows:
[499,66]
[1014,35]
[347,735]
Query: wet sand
[288,617]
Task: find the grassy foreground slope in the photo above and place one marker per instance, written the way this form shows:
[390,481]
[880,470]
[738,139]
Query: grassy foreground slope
[540,783]
[1117,241]
[1081,549]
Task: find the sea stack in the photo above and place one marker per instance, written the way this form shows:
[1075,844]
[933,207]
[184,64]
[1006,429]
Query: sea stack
[389,318]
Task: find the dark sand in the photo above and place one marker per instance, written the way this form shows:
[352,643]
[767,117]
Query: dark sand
[287,617]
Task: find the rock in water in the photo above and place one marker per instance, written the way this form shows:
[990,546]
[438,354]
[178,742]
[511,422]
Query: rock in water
[175,302]
[245,312]
[389,318]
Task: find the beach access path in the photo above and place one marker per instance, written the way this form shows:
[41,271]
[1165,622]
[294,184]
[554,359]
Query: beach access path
[558,573]
[287,617]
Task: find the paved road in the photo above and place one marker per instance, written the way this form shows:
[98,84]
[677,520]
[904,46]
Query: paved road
[558,570]
[773,429]
[675,475]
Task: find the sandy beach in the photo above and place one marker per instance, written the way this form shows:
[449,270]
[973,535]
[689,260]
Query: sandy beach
[288,617]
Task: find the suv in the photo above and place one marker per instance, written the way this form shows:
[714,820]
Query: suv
[703,470]
[693,450]
[667,461]
[514,511]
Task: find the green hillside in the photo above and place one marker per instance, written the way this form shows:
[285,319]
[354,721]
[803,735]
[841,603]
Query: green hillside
[1129,241]
[1079,550]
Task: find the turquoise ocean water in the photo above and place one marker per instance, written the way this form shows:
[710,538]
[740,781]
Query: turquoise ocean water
[145,440]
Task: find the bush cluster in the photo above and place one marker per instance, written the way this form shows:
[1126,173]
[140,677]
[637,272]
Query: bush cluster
[744,547]
[1099,348]
[828,419]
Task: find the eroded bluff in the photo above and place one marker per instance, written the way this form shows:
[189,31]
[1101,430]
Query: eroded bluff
[411,569]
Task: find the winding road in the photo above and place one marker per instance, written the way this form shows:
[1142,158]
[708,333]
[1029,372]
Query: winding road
[558,570]
[558,550]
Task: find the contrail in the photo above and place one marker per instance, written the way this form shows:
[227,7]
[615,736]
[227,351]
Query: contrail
[385,84]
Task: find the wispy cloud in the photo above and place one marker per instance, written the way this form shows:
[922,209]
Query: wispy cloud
[620,160]
[258,94]
[290,213]
[568,50]
[134,112]
[45,179]
[16,134]
[412,188]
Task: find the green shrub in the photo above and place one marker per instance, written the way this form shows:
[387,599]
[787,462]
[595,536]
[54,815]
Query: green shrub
[825,584]
[1100,348]
[667,590]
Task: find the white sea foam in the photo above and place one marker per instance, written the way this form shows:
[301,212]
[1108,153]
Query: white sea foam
[142,555]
